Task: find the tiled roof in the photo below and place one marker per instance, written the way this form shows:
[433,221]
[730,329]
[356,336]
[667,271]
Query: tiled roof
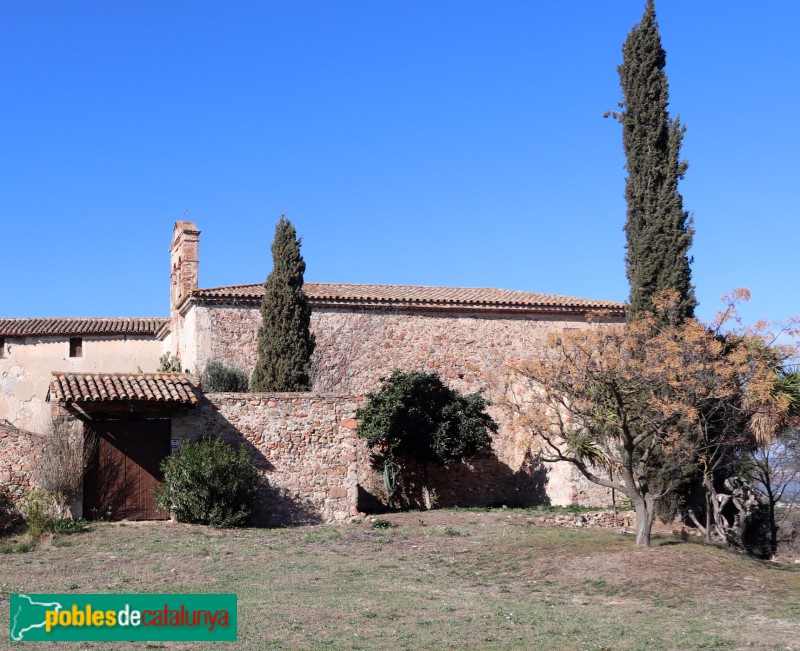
[62,327]
[107,387]
[412,296]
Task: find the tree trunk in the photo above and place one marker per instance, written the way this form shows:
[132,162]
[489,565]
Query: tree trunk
[773,525]
[426,491]
[614,504]
[644,521]
[709,514]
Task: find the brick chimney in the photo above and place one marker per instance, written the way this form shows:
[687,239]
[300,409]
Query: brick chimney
[184,262]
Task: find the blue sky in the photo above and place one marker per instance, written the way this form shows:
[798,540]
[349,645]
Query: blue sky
[416,142]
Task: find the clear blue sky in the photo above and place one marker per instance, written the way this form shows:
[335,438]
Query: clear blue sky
[415,142]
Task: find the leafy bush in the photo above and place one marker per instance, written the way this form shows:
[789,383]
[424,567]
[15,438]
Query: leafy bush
[757,540]
[40,512]
[416,418]
[218,377]
[208,482]
[10,517]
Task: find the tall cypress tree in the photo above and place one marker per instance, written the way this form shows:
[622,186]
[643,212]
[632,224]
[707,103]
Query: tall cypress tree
[285,342]
[659,231]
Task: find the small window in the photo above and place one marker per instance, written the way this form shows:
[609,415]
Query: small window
[2,348]
[76,347]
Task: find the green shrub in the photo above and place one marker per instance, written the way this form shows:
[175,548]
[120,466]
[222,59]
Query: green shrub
[10,518]
[208,482]
[415,419]
[757,540]
[40,514]
[218,377]
[25,547]
[67,526]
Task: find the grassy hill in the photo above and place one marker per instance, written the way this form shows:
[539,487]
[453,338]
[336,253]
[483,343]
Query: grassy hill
[437,580]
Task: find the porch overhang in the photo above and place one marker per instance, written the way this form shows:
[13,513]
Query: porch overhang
[152,389]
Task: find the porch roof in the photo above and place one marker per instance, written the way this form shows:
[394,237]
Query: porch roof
[172,388]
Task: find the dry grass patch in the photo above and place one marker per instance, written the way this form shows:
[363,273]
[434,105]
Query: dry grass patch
[437,580]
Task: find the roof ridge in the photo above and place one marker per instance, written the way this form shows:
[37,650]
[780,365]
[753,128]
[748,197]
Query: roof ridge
[130,373]
[422,296]
[202,289]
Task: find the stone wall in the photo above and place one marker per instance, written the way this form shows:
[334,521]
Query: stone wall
[233,336]
[303,444]
[317,469]
[18,451]
[356,347]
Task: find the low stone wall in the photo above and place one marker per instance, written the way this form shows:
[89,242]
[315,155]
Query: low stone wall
[304,445]
[316,469]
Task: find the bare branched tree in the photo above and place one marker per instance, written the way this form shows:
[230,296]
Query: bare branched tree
[65,454]
[775,474]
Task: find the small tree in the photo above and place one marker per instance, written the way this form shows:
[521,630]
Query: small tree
[285,342]
[415,418]
[208,482]
[614,398]
[221,378]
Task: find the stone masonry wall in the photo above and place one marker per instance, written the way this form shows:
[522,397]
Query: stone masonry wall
[317,469]
[18,451]
[233,339]
[303,444]
[356,347]
[21,450]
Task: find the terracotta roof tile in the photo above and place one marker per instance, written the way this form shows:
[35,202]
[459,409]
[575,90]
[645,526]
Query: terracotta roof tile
[108,387]
[52,327]
[412,296]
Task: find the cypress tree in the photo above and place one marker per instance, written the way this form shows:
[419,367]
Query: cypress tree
[659,231]
[285,342]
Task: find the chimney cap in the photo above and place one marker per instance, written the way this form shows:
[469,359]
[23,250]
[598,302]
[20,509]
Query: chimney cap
[186,227]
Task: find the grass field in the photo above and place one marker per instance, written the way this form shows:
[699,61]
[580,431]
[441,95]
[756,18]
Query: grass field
[438,580]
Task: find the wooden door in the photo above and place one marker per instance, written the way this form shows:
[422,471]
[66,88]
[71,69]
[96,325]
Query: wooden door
[120,481]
